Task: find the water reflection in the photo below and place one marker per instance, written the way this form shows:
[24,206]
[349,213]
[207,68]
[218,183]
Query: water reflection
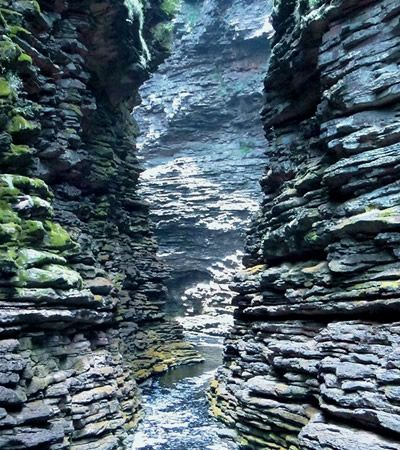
[177,411]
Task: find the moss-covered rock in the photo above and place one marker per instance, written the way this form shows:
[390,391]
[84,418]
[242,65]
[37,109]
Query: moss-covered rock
[25,185]
[163,34]
[9,232]
[18,155]
[5,88]
[21,128]
[170,7]
[8,261]
[32,232]
[9,51]
[56,238]
[52,275]
[29,257]
[24,58]
[7,214]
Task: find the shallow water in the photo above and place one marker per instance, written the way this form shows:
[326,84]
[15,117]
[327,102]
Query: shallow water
[176,407]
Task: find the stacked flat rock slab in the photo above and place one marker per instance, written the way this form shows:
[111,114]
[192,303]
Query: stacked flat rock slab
[202,147]
[81,290]
[313,360]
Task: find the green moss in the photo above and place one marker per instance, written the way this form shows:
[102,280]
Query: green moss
[20,149]
[170,7]
[9,232]
[74,108]
[9,51]
[102,209]
[392,284]
[36,6]
[52,275]
[8,193]
[19,124]
[26,185]
[8,263]
[29,257]
[56,237]
[388,213]
[15,30]
[6,12]
[24,58]
[18,154]
[32,231]
[7,214]
[311,237]
[163,34]
[5,88]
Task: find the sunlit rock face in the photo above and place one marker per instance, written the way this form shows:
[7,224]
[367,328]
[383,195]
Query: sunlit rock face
[202,145]
[81,288]
[313,360]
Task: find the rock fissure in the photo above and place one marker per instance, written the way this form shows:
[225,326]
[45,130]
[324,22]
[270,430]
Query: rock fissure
[202,150]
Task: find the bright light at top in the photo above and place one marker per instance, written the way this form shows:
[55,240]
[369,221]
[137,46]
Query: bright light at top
[265,29]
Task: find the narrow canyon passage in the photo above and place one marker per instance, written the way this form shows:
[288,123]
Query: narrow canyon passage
[202,146]
[135,312]
[176,408]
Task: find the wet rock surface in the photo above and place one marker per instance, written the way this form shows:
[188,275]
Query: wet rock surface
[202,147]
[312,361]
[176,407]
[82,292]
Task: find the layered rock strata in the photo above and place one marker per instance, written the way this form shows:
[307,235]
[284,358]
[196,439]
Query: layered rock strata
[202,146]
[81,290]
[313,360]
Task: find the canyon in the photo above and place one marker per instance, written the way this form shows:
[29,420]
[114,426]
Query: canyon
[100,258]
[202,148]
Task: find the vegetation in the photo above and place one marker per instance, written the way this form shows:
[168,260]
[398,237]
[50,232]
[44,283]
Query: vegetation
[170,7]
[163,34]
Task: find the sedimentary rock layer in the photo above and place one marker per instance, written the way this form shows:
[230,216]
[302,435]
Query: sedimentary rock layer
[313,360]
[202,146]
[81,290]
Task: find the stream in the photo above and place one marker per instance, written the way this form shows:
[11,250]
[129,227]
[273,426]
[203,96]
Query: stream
[176,407]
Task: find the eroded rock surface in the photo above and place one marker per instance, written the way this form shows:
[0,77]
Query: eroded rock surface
[81,290]
[313,360]
[202,146]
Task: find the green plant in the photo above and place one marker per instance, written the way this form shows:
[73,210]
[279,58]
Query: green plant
[170,7]
[163,33]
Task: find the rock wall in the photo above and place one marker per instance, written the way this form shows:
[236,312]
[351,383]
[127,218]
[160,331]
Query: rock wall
[81,290]
[202,146]
[313,360]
